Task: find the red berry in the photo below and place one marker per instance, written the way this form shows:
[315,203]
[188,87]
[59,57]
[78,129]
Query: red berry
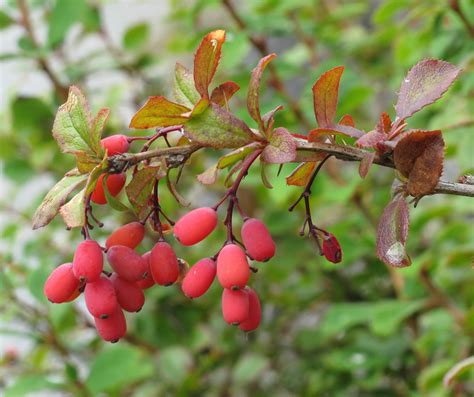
[232,267]
[127,263]
[255,312]
[75,294]
[199,278]
[148,281]
[195,226]
[331,248]
[113,328]
[88,262]
[115,144]
[164,264]
[129,295]
[100,298]
[257,240]
[61,284]
[130,235]
[115,183]
[235,306]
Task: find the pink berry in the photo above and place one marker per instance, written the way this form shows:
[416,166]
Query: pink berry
[232,267]
[115,144]
[257,240]
[129,295]
[164,264]
[199,278]
[61,284]
[115,183]
[195,226]
[100,298]
[113,328]
[130,235]
[127,263]
[235,306]
[255,312]
[88,262]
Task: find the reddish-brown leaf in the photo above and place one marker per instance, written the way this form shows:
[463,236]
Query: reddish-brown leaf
[206,60]
[392,234]
[301,174]
[159,112]
[366,163]
[384,124]
[347,120]
[419,157]
[325,94]
[281,147]
[371,139]
[222,94]
[253,105]
[425,83]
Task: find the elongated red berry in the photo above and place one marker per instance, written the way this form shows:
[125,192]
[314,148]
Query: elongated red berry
[88,262]
[257,240]
[78,291]
[115,183]
[164,264]
[235,306]
[100,298]
[331,248]
[129,295]
[113,328]
[148,281]
[255,312]
[127,263]
[195,226]
[115,144]
[199,278]
[130,235]
[232,267]
[61,284]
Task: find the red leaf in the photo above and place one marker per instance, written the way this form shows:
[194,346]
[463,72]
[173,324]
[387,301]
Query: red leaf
[301,174]
[158,112]
[281,147]
[347,120]
[384,124]
[206,60]
[392,234]
[419,156]
[317,134]
[366,163]
[371,139]
[425,83]
[254,90]
[325,93]
[222,94]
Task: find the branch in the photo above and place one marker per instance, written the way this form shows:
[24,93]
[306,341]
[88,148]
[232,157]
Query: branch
[306,151]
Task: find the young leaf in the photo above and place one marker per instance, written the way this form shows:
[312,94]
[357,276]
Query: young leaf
[209,176]
[384,124]
[281,147]
[301,174]
[325,94]
[140,187]
[253,105]
[371,139]
[184,91]
[200,107]
[100,121]
[263,174]
[72,126]
[347,120]
[269,117]
[112,201]
[317,134]
[236,155]
[222,94]
[206,60]
[159,112]
[419,156]
[216,127]
[424,84]
[392,233]
[366,163]
[55,198]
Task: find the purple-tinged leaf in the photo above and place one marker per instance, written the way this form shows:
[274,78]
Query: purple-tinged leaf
[325,95]
[366,163]
[351,132]
[253,104]
[319,134]
[222,93]
[206,60]
[425,83]
[269,117]
[218,128]
[159,112]
[371,139]
[301,174]
[392,234]
[281,147]
[184,91]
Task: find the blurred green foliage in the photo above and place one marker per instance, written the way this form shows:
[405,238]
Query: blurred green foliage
[356,329]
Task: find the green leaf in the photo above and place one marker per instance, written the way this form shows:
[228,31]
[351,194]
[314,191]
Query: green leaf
[38,120]
[5,20]
[136,36]
[218,128]
[72,127]
[386,316]
[249,368]
[174,364]
[113,202]
[117,367]
[281,148]
[159,112]
[64,14]
[140,187]
[236,155]
[55,198]
[184,91]
[206,60]
[25,385]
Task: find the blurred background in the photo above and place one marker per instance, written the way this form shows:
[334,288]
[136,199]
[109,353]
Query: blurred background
[352,329]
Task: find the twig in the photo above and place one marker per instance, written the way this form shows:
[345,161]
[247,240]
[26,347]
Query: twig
[454,4]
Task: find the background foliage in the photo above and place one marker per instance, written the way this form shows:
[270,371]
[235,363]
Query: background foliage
[356,329]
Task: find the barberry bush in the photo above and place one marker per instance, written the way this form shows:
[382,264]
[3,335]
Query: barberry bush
[180,246]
